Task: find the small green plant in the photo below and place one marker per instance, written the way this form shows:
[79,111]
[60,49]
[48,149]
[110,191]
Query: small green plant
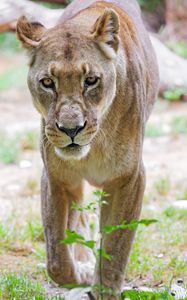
[175,94]
[72,237]
[163,186]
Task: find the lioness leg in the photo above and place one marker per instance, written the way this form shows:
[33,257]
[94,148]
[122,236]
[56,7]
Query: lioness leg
[57,216]
[125,198]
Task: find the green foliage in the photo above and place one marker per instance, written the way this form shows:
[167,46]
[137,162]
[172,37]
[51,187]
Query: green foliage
[150,5]
[101,252]
[13,286]
[9,151]
[11,232]
[11,147]
[20,287]
[163,186]
[182,195]
[177,213]
[104,290]
[75,285]
[39,251]
[52,5]
[9,43]
[175,94]
[33,231]
[179,47]
[14,77]
[141,295]
[29,140]
[107,229]
[7,235]
[91,207]
[74,237]
[179,125]
[170,232]
[154,130]
[100,197]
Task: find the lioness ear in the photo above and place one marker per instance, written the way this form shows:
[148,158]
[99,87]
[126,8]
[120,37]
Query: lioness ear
[106,31]
[29,33]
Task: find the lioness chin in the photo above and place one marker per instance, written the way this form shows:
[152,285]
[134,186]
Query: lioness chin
[93,78]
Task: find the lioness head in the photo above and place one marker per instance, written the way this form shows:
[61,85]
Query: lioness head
[72,78]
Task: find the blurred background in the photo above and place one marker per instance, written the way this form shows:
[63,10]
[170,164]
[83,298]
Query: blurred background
[159,254]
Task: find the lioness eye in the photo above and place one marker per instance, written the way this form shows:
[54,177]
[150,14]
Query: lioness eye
[47,83]
[91,81]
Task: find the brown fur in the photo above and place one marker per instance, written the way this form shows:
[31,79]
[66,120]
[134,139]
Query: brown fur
[106,40]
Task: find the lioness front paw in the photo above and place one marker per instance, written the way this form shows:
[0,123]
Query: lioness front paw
[99,296]
[85,272]
[65,274]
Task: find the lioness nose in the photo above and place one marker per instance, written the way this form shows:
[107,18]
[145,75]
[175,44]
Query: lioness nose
[72,132]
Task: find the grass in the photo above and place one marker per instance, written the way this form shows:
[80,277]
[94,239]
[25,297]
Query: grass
[154,130]
[150,258]
[162,186]
[179,47]
[174,94]
[21,287]
[33,231]
[9,151]
[9,43]
[12,233]
[13,286]
[29,140]
[30,188]
[11,148]
[179,125]
[136,295]
[182,195]
[13,77]
[159,250]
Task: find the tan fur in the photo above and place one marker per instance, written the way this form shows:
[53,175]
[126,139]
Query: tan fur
[105,40]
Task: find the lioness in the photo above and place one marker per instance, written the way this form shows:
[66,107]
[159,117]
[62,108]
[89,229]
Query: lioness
[93,77]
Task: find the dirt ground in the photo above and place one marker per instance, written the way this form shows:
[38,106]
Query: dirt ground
[163,156]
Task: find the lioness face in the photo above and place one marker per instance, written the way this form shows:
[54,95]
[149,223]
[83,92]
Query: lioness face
[73,83]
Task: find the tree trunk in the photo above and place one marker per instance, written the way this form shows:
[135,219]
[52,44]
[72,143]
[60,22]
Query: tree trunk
[11,10]
[176,20]
[172,68]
